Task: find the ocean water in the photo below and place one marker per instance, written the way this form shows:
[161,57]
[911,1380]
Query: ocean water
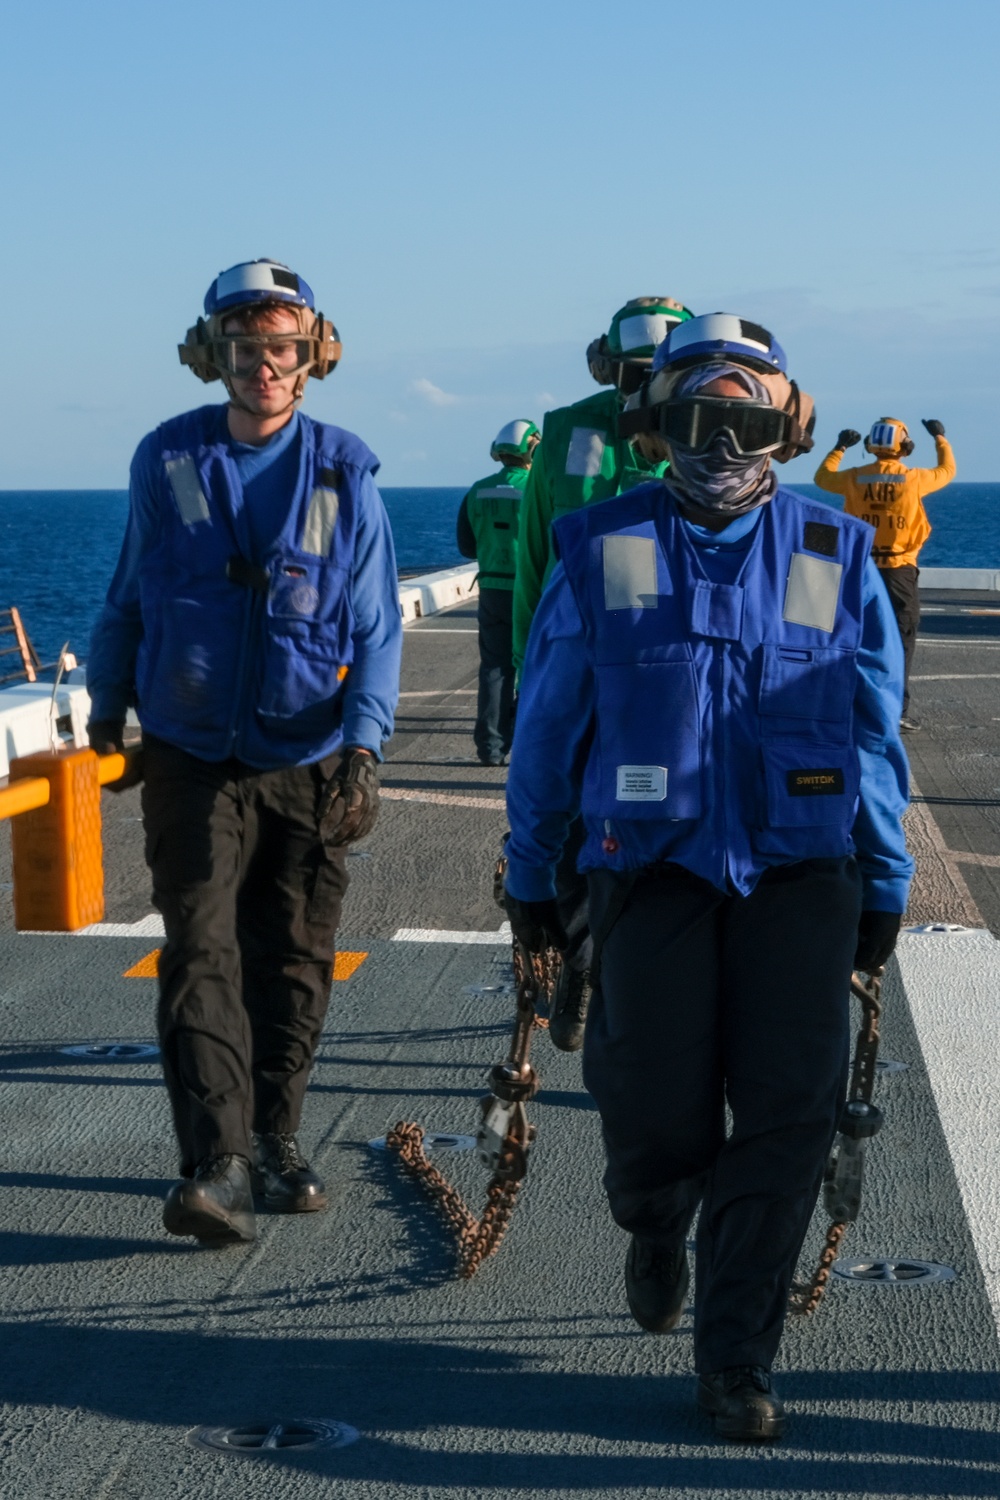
[58,548]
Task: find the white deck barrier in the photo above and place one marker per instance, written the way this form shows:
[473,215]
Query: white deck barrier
[961,578]
[431,592]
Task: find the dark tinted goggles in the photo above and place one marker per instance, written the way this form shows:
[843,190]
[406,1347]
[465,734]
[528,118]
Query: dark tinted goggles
[693,421]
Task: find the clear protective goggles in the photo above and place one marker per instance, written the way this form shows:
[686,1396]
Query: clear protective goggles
[693,421]
[242,354]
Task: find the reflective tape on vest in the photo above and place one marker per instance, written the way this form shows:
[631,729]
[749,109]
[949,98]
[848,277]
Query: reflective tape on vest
[629,572]
[812,592]
[585,454]
[321,518]
[182,474]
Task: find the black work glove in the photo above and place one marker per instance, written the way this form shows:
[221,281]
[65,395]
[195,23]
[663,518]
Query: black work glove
[536,924]
[934,427]
[877,934]
[348,805]
[107,737]
[848,438]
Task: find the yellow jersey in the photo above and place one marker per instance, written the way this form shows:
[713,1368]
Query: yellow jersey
[889,496]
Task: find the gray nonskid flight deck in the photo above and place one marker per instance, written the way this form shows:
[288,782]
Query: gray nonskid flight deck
[532,1378]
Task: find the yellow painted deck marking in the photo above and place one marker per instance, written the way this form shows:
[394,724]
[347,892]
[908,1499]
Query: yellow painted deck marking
[148,967]
[345,964]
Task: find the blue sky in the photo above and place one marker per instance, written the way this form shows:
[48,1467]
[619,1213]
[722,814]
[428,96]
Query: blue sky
[473,189]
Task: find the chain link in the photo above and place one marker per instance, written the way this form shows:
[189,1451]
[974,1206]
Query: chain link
[805,1297]
[478,1239]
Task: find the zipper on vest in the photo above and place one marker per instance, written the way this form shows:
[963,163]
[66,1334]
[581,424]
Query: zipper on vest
[253,603]
[721,739]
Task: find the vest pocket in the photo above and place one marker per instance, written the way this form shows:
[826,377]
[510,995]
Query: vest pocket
[810,785]
[307,641]
[648,757]
[187,669]
[809,682]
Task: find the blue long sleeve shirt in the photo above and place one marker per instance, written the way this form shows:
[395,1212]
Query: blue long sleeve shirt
[556,716]
[267,474]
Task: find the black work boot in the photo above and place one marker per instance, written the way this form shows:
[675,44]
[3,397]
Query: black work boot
[568,1015]
[215,1205]
[745,1408]
[656,1283]
[284,1177]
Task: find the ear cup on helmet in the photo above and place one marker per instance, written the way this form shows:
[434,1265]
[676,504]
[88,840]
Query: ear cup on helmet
[601,367]
[196,352]
[802,411]
[329,347]
[906,447]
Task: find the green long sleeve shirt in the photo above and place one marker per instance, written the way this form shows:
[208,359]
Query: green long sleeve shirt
[579,460]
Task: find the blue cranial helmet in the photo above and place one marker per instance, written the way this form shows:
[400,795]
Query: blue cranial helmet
[720,336]
[257,281]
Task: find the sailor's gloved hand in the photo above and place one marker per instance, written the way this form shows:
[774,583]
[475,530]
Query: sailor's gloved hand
[107,737]
[934,427]
[348,804]
[877,934]
[536,924]
[848,437]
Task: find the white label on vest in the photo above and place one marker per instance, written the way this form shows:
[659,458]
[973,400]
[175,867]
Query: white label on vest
[629,572]
[881,478]
[586,452]
[320,521]
[642,783]
[499,492]
[812,592]
[186,486]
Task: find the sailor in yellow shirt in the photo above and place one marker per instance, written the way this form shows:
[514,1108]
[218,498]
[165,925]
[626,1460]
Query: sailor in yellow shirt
[890,497]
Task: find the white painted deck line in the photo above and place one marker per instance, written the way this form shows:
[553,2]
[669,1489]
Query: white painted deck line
[146,927]
[437,935]
[441,799]
[952,983]
[985,642]
[440,693]
[956,677]
[444,629]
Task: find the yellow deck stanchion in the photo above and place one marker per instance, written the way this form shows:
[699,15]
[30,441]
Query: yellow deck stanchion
[57,844]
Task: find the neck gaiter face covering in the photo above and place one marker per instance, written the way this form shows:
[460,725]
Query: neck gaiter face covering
[719,480]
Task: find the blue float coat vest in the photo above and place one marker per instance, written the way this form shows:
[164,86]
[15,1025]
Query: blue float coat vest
[245,655]
[724,711]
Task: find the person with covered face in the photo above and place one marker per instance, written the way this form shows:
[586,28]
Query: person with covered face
[713,678]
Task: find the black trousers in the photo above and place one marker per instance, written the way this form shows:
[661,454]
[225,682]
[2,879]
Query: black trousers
[251,899]
[495,710]
[705,999]
[904,596]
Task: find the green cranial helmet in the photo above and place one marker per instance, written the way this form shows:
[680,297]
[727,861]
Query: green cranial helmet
[516,440]
[623,355]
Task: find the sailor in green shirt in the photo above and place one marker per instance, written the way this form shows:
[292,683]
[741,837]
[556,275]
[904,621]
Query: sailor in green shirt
[488,531]
[581,459]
